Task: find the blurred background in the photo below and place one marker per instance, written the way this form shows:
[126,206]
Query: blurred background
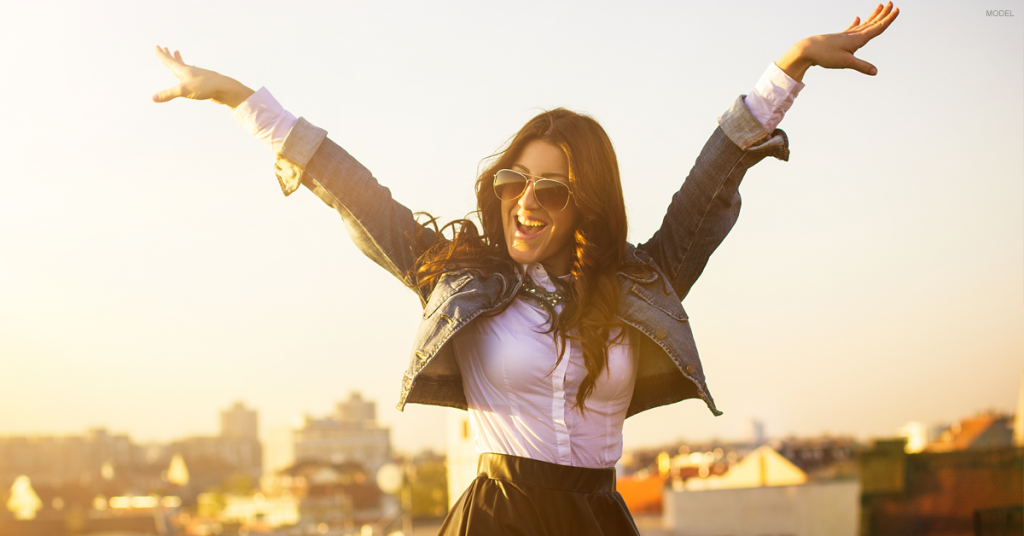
[153,277]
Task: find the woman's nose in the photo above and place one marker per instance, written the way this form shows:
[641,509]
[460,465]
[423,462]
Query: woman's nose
[529,198]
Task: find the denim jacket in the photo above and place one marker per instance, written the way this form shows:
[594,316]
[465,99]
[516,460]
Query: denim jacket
[655,277]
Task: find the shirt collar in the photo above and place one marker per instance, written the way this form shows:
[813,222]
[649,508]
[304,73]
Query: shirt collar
[540,276]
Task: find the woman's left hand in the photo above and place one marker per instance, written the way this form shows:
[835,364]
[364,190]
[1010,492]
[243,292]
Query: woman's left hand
[835,51]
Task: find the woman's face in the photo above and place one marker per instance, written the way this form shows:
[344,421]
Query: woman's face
[532,233]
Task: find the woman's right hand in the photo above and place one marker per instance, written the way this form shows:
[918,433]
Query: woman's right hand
[199,84]
[836,51]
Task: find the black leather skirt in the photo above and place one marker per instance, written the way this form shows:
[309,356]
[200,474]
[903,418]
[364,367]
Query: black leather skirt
[520,496]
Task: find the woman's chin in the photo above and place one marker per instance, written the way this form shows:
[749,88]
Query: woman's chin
[555,265]
[523,257]
[522,251]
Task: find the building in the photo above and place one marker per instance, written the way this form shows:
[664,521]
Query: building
[1018,419]
[762,468]
[237,451]
[984,431]
[337,495]
[752,431]
[461,455]
[278,452]
[56,460]
[210,460]
[823,456]
[356,410]
[967,480]
[946,492]
[764,493]
[352,434]
[919,435]
[238,422]
[255,512]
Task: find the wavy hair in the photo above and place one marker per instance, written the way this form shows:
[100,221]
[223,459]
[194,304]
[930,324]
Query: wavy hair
[599,237]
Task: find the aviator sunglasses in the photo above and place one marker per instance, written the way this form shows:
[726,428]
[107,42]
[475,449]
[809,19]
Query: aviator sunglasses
[551,194]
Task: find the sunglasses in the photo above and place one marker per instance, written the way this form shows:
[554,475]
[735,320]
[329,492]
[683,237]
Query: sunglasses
[551,194]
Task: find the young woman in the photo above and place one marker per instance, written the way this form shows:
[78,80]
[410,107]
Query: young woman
[545,323]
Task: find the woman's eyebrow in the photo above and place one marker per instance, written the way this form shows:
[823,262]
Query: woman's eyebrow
[545,175]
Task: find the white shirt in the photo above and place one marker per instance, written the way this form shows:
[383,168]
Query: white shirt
[520,402]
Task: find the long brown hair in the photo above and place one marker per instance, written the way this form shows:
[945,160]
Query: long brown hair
[599,238]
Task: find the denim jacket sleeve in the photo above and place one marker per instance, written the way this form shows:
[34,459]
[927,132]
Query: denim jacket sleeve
[706,207]
[382,228]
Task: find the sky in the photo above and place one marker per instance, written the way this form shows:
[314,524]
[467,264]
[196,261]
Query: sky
[152,273]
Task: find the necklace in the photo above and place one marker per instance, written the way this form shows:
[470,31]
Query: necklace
[550,299]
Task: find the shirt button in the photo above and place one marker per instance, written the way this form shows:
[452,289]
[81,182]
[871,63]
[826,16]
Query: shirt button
[660,334]
[690,369]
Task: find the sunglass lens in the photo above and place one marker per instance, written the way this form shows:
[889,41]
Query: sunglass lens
[551,194]
[508,184]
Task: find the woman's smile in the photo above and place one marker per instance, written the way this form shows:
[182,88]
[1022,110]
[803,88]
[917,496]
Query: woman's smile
[528,227]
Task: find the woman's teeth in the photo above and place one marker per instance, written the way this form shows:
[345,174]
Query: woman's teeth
[529,226]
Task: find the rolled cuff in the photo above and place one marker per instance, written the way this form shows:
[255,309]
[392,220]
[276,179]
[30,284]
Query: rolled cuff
[747,132]
[743,129]
[740,126]
[298,148]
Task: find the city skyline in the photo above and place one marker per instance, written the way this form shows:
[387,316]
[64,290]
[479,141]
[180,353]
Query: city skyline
[152,273]
[328,482]
[751,430]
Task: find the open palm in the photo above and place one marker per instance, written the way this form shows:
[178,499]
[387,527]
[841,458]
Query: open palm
[197,83]
[836,51]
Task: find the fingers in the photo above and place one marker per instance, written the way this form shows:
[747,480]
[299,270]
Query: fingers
[164,53]
[169,61]
[880,25]
[167,94]
[860,65]
[888,19]
[878,13]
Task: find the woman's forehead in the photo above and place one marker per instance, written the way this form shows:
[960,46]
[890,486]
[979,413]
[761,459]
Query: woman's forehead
[543,159]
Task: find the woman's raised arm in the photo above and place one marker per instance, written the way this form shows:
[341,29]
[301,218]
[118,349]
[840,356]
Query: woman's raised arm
[383,229]
[199,84]
[705,208]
